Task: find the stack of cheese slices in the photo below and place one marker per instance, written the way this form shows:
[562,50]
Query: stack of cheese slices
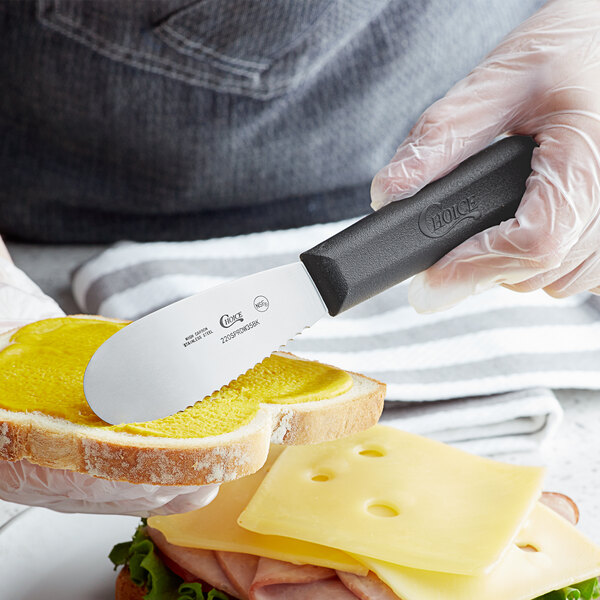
[379,515]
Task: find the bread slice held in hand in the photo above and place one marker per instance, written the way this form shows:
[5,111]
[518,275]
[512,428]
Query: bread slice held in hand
[45,419]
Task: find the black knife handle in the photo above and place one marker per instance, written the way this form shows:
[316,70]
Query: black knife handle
[408,236]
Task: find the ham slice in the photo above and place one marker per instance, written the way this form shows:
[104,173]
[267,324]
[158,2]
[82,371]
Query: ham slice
[279,580]
[368,587]
[240,570]
[201,563]
[176,568]
[325,589]
[271,571]
[561,504]
[250,577]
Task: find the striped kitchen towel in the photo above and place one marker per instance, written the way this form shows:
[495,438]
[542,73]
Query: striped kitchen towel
[491,344]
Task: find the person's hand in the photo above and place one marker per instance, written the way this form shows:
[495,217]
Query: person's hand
[543,80]
[21,302]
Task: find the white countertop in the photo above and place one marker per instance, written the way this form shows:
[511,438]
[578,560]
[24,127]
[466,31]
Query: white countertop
[573,457]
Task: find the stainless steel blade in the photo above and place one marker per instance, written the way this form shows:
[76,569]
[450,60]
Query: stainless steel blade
[172,358]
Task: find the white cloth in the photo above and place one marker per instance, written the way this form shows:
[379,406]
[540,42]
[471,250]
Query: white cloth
[502,423]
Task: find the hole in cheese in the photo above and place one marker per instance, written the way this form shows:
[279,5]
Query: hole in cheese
[320,474]
[382,509]
[527,548]
[371,452]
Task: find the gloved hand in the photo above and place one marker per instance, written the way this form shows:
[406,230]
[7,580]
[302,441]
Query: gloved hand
[69,491]
[21,302]
[543,80]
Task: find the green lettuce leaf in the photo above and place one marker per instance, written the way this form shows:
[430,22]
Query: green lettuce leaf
[190,591]
[119,554]
[588,590]
[193,591]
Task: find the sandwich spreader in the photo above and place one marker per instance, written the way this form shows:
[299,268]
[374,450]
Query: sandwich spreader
[178,355]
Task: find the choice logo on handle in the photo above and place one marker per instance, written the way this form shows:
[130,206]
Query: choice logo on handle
[437,220]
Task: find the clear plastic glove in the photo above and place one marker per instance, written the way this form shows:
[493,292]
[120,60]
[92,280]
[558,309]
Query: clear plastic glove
[543,80]
[22,302]
[68,491]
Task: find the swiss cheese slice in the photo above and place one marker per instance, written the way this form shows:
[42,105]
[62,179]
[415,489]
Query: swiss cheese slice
[215,527]
[399,498]
[548,554]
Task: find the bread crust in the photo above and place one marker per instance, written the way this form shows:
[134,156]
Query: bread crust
[327,420]
[57,443]
[125,589]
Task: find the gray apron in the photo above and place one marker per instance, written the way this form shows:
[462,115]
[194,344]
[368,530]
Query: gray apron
[171,119]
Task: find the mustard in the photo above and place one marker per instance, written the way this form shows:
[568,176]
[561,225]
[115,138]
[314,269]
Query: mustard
[42,368]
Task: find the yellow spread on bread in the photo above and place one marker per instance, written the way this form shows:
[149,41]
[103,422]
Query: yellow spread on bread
[42,370]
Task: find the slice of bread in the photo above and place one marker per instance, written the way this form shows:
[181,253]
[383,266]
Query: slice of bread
[62,444]
[125,589]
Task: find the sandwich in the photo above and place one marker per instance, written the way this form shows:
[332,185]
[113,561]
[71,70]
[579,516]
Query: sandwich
[379,515]
[45,419]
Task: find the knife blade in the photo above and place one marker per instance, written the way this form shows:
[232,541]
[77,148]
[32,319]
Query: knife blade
[178,355]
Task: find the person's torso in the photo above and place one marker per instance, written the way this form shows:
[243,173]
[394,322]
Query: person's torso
[166,119]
